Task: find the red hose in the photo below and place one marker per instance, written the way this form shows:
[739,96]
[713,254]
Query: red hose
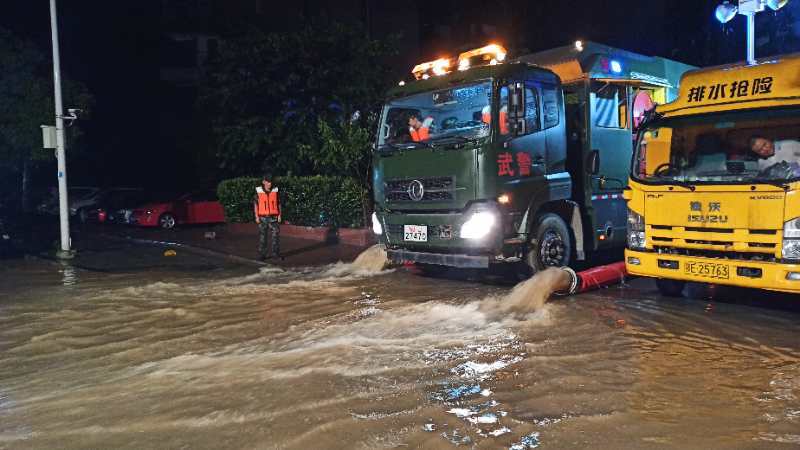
[600,276]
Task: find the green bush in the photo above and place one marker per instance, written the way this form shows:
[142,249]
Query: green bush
[307,201]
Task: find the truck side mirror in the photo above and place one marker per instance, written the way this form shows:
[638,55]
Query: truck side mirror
[516,100]
[516,108]
[593,162]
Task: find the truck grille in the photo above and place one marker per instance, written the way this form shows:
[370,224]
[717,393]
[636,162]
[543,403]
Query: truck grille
[436,189]
[716,242]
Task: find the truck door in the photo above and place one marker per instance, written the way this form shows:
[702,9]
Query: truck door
[522,161]
[610,135]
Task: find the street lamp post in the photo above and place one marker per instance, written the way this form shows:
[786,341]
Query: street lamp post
[65,251]
[726,11]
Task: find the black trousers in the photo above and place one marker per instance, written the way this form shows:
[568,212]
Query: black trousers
[269,225]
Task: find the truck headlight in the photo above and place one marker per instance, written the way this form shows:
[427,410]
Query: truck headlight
[376,224]
[478,226]
[791,239]
[635,231]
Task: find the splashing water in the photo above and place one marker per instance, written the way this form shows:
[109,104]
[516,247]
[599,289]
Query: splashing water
[530,295]
[372,259]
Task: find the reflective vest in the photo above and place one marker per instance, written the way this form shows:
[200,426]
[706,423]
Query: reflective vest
[486,117]
[423,132]
[267,203]
[504,120]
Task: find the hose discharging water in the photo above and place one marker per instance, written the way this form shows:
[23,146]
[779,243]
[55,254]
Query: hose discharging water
[572,282]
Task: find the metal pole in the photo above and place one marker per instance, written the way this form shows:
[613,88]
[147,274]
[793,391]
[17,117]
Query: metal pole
[751,39]
[61,147]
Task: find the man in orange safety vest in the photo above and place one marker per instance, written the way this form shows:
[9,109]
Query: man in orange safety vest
[420,130]
[267,211]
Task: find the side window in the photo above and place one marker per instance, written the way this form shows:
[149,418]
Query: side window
[532,120]
[610,105]
[505,124]
[550,110]
[531,110]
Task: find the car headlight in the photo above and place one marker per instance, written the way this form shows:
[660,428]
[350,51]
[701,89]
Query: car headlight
[791,239]
[478,226]
[635,231]
[376,224]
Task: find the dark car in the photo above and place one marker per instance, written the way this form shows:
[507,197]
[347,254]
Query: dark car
[116,205]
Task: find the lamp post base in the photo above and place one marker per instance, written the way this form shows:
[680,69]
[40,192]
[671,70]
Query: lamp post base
[65,254]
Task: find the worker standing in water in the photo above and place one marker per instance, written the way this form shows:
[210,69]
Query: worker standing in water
[267,213]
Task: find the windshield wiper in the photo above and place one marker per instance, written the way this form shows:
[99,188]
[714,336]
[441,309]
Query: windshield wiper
[775,183]
[407,145]
[682,184]
[455,136]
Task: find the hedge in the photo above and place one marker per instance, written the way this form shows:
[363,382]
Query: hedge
[307,201]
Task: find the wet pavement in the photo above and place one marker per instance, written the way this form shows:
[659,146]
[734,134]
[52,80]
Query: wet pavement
[147,351]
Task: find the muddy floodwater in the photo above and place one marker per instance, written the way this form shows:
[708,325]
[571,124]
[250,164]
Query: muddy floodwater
[347,357]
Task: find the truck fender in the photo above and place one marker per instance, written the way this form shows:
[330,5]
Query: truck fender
[573,214]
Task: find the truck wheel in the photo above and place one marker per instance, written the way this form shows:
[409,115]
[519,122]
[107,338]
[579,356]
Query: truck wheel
[552,244]
[670,288]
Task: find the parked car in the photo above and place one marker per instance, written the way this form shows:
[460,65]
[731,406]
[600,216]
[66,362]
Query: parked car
[79,197]
[116,205]
[195,208]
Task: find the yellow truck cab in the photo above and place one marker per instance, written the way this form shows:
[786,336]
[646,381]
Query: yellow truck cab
[715,180]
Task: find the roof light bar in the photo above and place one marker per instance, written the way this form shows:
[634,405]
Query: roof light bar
[491,54]
[423,71]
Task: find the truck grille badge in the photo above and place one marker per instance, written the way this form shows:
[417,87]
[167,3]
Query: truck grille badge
[416,190]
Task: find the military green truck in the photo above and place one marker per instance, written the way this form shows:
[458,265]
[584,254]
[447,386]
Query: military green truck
[484,160]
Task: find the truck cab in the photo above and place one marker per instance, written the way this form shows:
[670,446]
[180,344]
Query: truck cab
[485,161]
[714,181]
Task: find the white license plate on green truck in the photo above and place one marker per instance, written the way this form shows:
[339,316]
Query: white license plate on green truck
[415,233]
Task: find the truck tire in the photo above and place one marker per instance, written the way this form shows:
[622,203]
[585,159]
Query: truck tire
[670,288]
[551,245]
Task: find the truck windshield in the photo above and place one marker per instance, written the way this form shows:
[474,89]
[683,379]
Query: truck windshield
[719,148]
[457,113]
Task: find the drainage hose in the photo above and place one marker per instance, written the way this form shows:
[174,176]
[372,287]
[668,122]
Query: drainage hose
[591,279]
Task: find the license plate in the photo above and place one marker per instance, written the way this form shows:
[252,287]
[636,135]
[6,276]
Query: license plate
[415,233]
[706,270]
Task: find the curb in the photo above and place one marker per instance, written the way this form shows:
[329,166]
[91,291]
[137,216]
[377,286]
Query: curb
[191,248]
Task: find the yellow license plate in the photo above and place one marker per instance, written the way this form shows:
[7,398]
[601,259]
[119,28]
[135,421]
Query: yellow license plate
[706,270]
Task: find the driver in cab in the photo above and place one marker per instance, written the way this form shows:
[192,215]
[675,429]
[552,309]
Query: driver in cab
[772,154]
[419,130]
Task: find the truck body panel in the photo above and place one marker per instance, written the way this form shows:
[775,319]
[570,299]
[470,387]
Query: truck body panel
[707,202]
[509,143]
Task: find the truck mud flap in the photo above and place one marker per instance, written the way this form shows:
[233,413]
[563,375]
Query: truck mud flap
[460,261]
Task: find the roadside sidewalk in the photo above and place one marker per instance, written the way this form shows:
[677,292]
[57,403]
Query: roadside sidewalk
[239,242]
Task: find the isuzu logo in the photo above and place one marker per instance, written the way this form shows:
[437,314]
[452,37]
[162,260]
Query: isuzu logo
[713,207]
[416,190]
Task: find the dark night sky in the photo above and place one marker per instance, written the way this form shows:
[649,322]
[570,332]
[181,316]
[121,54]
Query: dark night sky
[113,47]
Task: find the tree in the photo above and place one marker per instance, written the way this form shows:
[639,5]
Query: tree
[26,102]
[274,94]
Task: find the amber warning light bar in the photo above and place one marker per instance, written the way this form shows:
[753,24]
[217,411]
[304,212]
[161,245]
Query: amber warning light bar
[424,71]
[488,55]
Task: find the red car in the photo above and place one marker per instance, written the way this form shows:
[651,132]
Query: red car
[195,208]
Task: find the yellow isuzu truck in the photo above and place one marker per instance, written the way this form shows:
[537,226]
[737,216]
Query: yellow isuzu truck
[714,193]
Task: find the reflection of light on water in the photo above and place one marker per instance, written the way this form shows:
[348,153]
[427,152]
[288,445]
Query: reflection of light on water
[69,276]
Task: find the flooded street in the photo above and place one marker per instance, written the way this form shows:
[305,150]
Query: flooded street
[346,357]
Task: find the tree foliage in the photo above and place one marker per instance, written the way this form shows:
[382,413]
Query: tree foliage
[274,96]
[26,100]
